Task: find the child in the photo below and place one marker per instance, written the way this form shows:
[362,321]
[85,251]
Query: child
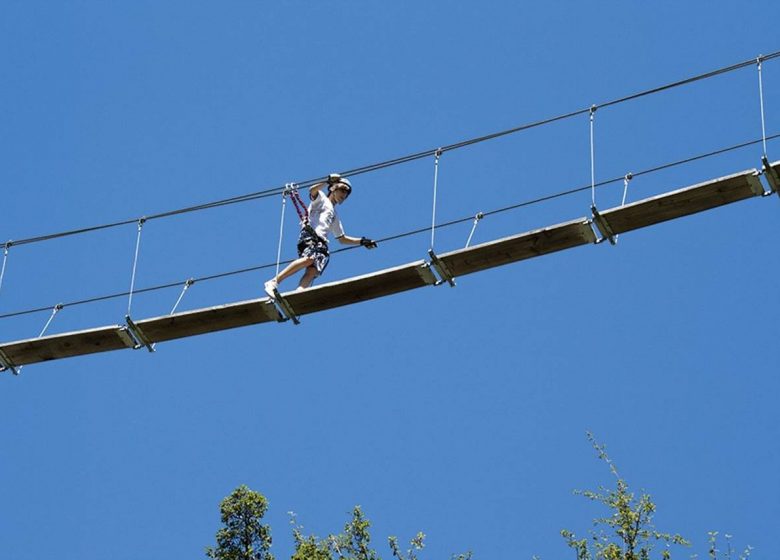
[313,252]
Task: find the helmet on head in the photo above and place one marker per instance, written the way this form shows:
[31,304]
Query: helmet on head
[340,183]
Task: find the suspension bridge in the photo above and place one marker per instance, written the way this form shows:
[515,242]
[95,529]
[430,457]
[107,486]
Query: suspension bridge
[434,270]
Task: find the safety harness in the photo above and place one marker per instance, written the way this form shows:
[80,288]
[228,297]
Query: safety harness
[300,207]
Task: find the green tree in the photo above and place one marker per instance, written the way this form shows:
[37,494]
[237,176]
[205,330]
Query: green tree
[243,537]
[715,553]
[354,543]
[628,533]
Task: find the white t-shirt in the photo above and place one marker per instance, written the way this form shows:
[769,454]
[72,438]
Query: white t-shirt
[323,217]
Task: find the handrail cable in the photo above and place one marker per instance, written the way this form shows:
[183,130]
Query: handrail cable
[403,234]
[403,159]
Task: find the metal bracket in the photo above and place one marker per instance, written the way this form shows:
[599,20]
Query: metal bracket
[755,184]
[442,269]
[271,311]
[771,176]
[424,270]
[286,308]
[603,226]
[6,363]
[138,334]
[125,336]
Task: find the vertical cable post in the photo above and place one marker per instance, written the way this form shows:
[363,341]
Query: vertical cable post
[5,260]
[592,158]
[437,156]
[135,264]
[761,100]
[287,189]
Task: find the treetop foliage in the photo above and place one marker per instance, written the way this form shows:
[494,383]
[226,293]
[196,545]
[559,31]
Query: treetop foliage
[627,533]
[243,537]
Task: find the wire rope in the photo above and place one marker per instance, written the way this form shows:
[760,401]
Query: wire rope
[761,99]
[403,159]
[187,284]
[135,264]
[281,228]
[437,156]
[410,233]
[477,218]
[592,159]
[56,309]
[5,260]
[626,180]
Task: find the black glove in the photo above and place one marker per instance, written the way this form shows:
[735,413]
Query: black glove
[368,243]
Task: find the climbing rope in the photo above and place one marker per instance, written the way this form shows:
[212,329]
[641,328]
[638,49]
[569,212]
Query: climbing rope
[437,156]
[135,264]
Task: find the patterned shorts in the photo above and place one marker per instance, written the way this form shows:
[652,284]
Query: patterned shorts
[312,246]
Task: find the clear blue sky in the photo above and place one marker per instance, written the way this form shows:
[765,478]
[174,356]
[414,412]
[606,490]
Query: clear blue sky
[459,412]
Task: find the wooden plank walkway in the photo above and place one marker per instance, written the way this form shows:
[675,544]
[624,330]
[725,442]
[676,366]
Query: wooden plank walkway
[519,247]
[262,310]
[679,203]
[361,288]
[66,345]
[210,319]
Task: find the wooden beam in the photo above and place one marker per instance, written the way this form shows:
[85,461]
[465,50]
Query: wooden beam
[683,202]
[6,363]
[209,319]
[361,288]
[519,247]
[65,345]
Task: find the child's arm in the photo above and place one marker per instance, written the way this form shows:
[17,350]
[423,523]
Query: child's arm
[364,241]
[315,189]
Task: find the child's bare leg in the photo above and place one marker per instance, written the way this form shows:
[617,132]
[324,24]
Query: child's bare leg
[293,267]
[288,271]
[308,277]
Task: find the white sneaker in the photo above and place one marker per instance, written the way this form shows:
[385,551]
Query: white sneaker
[299,289]
[270,288]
